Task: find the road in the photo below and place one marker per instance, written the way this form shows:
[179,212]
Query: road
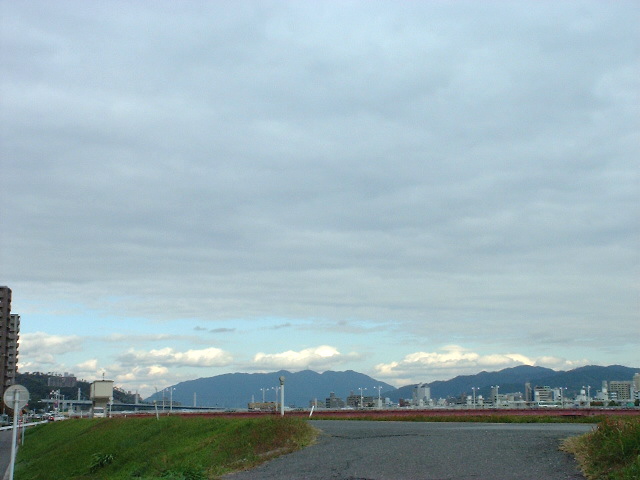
[5,451]
[361,450]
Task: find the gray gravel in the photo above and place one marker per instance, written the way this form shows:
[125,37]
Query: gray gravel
[355,450]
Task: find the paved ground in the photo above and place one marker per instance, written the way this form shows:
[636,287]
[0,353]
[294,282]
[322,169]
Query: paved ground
[350,450]
[5,451]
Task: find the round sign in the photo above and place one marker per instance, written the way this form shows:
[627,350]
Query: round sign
[16,392]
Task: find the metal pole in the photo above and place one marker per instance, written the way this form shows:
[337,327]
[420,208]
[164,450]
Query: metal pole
[282,399]
[14,434]
[22,429]
[281,396]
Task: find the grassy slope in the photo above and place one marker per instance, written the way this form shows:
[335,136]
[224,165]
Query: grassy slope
[610,452]
[173,448]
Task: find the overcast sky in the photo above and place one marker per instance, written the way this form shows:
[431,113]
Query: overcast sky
[412,190]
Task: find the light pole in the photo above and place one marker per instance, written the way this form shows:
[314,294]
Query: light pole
[474,396]
[281,396]
[588,395]
[263,390]
[361,397]
[379,400]
[171,399]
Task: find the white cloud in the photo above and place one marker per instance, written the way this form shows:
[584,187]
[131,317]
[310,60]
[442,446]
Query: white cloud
[453,360]
[39,351]
[119,337]
[321,357]
[138,375]
[207,357]
[468,167]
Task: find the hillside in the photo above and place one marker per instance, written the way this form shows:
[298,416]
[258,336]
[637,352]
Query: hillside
[145,448]
[513,379]
[36,383]
[235,390]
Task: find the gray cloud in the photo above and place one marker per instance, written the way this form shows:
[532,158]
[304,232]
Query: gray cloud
[452,168]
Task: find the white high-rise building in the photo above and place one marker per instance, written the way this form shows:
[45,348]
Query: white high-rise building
[421,395]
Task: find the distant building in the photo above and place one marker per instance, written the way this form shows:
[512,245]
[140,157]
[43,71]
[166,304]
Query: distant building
[621,391]
[334,402]
[59,381]
[9,335]
[543,394]
[262,406]
[636,385]
[602,395]
[360,401]
[421,395]
[528,392]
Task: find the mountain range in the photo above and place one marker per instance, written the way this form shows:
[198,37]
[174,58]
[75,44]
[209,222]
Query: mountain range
[235,390]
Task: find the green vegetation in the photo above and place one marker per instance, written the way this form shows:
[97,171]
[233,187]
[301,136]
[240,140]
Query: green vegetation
[143,448]
[610,452]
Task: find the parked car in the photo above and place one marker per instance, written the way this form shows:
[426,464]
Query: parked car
[98,412]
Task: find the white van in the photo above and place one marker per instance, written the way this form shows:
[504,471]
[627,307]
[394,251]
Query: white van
[98,412]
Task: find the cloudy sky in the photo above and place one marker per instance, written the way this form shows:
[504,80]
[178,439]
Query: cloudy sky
[412,190]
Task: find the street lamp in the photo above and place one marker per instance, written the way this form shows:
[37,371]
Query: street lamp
[263,390]
[171,399]
[361,398]
[379,400]
[281,396]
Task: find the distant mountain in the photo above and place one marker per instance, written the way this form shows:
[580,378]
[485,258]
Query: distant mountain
[236,390]
[483,381]
[512,380]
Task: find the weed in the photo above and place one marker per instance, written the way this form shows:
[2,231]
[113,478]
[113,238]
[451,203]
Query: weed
[100,460]
[612,451]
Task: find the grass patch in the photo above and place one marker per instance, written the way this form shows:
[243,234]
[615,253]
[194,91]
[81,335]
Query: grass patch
[610,452]
[172,448]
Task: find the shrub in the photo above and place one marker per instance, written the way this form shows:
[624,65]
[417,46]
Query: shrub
[611,451]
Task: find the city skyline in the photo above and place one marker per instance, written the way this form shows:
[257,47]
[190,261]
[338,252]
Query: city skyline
[410,190]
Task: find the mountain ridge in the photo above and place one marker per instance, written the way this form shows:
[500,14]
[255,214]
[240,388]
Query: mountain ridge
[512,379]
[236,390]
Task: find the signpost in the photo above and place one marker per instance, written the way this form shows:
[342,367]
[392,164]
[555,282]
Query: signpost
[15,397]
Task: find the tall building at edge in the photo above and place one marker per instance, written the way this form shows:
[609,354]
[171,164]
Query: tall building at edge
[9,334]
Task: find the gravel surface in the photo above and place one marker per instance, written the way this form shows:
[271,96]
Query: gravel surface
[360,450]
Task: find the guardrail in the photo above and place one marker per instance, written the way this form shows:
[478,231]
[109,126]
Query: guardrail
[23,425]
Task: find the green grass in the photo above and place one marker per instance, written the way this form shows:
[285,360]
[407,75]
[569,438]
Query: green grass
[611,452]
[171,448]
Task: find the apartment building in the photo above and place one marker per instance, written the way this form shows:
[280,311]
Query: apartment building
[9,335]
[621,390]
